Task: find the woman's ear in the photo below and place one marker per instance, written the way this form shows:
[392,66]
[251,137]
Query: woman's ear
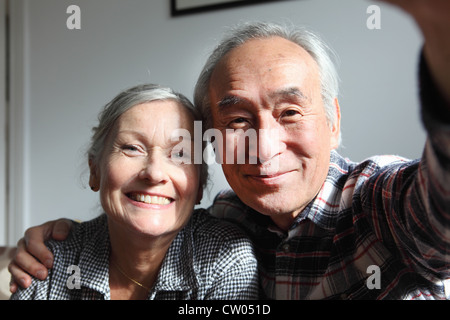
[199,195]
[94,176]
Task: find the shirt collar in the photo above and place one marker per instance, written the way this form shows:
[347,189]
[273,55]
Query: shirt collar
[323,209]
[94,261]
[177,271]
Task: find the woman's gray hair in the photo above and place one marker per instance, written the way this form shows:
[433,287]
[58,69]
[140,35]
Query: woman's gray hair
[312,43]
[126,100]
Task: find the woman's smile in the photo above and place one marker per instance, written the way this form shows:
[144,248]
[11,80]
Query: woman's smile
[149,199]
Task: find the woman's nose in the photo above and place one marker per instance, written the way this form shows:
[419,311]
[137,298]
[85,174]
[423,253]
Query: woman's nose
[154,170]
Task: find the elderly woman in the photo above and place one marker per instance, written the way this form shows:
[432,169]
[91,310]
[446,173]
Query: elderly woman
[150,243]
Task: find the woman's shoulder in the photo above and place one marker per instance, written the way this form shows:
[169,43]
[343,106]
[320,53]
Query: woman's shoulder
[223,255]
[81,233]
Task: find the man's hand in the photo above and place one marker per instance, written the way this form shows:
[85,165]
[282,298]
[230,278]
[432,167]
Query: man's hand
[31,250]
[433,19]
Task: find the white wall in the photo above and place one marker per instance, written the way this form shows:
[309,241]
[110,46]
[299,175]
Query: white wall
[69,74]
[3,124]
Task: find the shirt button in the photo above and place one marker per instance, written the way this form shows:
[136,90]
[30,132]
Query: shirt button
[286,247]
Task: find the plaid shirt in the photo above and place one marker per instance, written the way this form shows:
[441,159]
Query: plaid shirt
[208,259]
[379,229]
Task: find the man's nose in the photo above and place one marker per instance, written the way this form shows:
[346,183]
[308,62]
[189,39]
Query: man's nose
[269,141]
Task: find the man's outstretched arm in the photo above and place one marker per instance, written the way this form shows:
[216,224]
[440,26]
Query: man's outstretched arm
[433,19]
[32,256]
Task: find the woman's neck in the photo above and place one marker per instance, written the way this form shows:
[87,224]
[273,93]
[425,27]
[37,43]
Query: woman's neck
[135,261]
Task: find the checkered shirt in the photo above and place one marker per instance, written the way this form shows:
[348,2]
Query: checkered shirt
[208,259]
[379,229]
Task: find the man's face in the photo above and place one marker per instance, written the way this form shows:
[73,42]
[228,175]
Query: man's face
[272,87]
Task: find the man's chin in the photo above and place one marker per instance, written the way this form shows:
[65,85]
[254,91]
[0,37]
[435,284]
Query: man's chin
[269,205]
[282,210]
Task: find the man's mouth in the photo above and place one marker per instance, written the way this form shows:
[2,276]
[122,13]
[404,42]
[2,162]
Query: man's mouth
[269,178]
[149,199]
[266,176]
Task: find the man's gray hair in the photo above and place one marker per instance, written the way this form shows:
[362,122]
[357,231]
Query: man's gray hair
[311,42]
[126,100]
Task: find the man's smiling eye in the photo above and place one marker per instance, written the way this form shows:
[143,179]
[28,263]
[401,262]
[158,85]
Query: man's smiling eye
[238,123]
[290,113]
[290,116]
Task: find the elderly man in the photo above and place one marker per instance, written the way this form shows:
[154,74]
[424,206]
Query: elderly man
[323,227]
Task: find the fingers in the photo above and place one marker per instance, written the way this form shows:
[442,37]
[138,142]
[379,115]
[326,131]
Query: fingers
[61,229]
[22,266]
[33,247]
[13,286]
[18,278]
[35,237]
[32,257]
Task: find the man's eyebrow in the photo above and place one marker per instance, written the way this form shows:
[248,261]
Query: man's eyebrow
[229,101]
[289,93]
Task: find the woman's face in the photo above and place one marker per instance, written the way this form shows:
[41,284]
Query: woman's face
[148,182]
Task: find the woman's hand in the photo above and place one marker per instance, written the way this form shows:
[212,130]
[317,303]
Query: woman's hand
[32,256]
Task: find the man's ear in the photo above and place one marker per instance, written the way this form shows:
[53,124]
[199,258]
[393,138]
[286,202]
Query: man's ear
[94,176]
[336,126]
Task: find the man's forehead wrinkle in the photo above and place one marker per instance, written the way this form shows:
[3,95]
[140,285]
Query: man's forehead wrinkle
[229,100]
[292,92]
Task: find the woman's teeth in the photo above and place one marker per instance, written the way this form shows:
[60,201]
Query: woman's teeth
[149,199]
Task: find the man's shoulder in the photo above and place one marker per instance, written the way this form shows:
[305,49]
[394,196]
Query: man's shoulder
[382,168]
[348,171]
[226,198]
[228,206]
[214,229]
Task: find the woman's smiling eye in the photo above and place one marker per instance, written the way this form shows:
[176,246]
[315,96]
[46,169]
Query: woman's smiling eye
[181,155]
[178,154]
[131,149]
